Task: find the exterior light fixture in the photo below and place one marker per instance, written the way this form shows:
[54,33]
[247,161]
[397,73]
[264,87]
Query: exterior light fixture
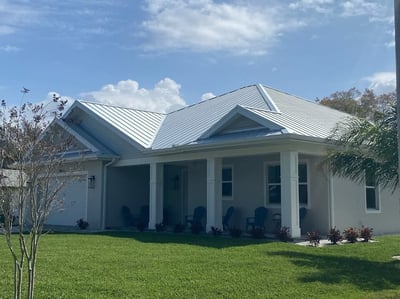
[91,182]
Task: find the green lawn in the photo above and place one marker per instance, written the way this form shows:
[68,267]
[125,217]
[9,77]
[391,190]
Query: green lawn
[166,265]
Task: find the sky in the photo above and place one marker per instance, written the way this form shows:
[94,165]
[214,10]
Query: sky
[160,55]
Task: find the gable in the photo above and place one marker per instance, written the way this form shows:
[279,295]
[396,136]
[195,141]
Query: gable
[240,120]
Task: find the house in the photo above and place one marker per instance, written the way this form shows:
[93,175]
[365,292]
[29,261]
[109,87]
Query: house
[255,146]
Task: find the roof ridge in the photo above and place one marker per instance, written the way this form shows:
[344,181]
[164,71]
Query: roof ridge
[210,99]
[120,107]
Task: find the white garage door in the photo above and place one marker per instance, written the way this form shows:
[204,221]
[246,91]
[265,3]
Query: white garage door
[73,202]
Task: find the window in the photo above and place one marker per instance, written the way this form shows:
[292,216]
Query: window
[274,184]
[303,186]
[371,192]
[227,182]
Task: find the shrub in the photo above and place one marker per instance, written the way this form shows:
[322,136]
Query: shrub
[283,234]
[196,228]
[350,234]
[235,232]
[141,226]
[82,224]
[216,231]
[178,228]
[160,227]
[258,233]
[313,238]
[366,233]
[334,235]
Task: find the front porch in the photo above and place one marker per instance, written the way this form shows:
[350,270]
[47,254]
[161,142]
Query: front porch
[173,190]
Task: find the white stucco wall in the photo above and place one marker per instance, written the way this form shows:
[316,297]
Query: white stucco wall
[350,208]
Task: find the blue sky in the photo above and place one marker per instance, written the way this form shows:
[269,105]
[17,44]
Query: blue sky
[161,54]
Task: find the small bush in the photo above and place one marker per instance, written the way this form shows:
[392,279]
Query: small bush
[216,231]
[334,235]
[235,232]
[141,226]
[196,228]
[350,235]
[366,233]
[314,238]
[160,227]
[258,233]
[82,224]
[283,234]
[179,228]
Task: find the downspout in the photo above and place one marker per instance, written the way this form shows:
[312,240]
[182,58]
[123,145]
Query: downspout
[104,193]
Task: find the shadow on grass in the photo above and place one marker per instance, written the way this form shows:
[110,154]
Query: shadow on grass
[204,240]
[330,269]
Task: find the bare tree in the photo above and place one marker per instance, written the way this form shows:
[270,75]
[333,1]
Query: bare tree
[34,154]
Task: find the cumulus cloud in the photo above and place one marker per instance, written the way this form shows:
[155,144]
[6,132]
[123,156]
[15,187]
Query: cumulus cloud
[207,25]
[164,97]
[382,82]
[207,96]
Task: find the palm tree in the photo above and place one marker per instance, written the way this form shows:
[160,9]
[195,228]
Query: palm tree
[366,148]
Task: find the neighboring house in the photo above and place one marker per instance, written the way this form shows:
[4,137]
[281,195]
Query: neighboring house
[255,146]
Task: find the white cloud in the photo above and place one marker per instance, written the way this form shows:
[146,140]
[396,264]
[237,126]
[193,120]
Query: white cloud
[9,48]
[164,97]
[320,6]
[239,28]
[14,14]
[382,82]
[207,96]
[374,9]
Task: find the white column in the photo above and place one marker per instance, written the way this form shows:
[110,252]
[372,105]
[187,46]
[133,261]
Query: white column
[290,192]
[214,193]
[156,194]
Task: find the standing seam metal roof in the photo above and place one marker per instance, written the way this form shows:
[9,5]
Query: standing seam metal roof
[185,126]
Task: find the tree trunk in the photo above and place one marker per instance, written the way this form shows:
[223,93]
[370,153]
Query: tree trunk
[32,265]
[18,271]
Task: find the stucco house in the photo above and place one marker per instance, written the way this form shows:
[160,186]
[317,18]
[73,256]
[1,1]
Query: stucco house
[255,146]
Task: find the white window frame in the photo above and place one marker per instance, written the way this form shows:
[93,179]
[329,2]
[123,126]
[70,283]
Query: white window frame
[377,197]
[231,182]
[266,184]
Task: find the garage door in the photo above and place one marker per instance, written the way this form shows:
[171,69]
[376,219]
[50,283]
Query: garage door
[73,202]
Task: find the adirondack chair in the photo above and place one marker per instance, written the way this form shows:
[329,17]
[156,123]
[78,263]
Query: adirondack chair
[227,218]
[258,221]
[198,214]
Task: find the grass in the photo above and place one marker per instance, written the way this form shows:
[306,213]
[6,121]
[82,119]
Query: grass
[164,265]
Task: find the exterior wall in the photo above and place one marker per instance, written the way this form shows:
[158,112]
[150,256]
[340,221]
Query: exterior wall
[174,194]
[94,200]
[350,208]
[197,185]
[248,189]
[127,186]
[317,218]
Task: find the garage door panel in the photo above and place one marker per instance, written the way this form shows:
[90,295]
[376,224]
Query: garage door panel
[73,202]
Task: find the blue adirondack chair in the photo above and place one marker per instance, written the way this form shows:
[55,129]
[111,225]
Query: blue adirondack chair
[227,218]
[198,214]
[258,221]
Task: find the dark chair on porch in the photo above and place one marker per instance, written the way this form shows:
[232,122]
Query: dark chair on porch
[227,218]
[142,221]
[258,221]
[198,214]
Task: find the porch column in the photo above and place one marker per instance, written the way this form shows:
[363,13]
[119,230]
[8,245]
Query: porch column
[214,193]
[290,192]
[156,194]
